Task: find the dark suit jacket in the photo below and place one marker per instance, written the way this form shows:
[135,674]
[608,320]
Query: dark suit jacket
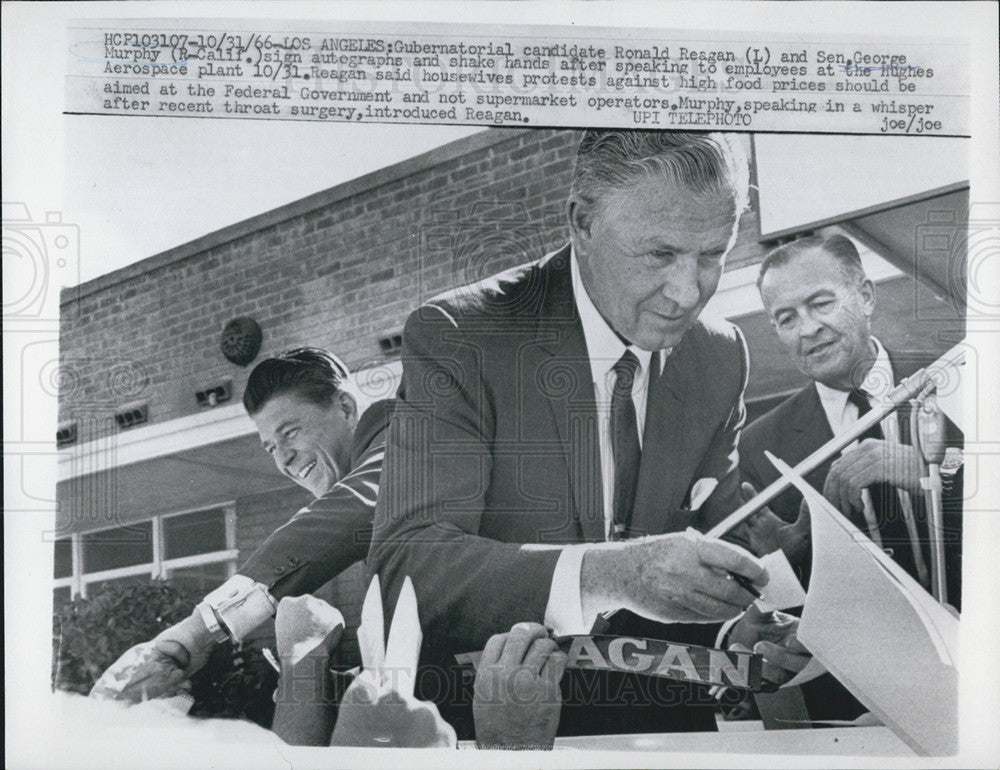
[494,445]
[798,426]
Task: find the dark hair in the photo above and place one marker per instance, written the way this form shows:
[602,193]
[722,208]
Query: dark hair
[313,374]
[840,247]
[704,164]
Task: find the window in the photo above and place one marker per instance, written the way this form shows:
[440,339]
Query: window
[194,533]
[61,597]
[192,550]
[117,548]
[63,558]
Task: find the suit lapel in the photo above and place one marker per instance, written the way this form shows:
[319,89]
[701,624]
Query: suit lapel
[809,423]
[559,366]
[810,430]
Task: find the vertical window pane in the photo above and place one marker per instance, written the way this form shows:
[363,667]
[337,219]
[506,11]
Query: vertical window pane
[201,579]
[63,558]
[116,548]
[194,533]
[61,597]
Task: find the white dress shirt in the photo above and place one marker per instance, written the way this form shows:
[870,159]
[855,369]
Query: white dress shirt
[842,414]
[564,611]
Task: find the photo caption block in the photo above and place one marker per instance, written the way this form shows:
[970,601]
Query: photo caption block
[518,76]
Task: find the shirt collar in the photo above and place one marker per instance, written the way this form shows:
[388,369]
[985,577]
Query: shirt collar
[877,383]
[604,347]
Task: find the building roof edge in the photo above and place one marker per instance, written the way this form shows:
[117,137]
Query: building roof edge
[352,187]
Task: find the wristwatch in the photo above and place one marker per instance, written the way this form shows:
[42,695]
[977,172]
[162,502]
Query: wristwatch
[950,466]
[212,622]
[238,606]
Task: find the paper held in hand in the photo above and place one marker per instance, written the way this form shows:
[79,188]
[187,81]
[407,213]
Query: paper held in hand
[878,631]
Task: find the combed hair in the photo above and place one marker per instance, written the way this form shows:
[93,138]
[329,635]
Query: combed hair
[704,164]
[839,247]
[311,373]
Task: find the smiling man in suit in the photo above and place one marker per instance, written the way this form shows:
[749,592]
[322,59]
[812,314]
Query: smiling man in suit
[821,304]
[564,423]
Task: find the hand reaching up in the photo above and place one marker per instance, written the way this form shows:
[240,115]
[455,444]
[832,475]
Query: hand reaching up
[517,700]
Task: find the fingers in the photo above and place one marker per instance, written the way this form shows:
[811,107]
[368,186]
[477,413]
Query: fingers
[538,653]
[154,682]
[837,489]
[706,609]
[554,667]
[493,650]
[519,638]
[747,491]
[756,616]
[716,597]
[780,663]
[724,589]
[174,651]
[730,558]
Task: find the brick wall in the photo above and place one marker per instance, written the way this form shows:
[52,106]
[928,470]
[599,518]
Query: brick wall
[334,270]
[259,515]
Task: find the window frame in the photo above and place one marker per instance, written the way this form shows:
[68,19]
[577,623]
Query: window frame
[159,567]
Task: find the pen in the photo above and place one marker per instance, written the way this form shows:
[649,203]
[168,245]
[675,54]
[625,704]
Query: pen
[745,583]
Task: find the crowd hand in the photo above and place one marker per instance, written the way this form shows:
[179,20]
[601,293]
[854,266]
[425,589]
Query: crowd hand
[765,532]
[306,625]
[158,668]
[871,462]
[379,716]
[680,577]
[517,701]
[771,634]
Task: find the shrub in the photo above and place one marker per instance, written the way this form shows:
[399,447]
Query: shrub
[91,634]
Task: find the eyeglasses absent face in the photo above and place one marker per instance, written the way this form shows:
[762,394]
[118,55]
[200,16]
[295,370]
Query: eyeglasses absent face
[651,256]
[310,442]
[822,315]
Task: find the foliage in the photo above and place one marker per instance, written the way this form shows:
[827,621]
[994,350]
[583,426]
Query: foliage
[91,634]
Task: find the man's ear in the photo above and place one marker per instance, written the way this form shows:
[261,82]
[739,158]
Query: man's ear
[580,215]
[867,291]
[348,407]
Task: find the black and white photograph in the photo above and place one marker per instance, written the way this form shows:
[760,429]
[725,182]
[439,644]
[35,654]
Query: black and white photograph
[510,384]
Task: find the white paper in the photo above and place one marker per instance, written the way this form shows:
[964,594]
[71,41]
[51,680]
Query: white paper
[876,629]
[783,590]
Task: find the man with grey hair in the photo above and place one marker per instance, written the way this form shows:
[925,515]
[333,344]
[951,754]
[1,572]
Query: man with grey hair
[565,429]
[821,304]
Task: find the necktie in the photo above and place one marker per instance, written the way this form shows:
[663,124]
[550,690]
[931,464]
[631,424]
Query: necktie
[624,442]
[891,528]
[860,399]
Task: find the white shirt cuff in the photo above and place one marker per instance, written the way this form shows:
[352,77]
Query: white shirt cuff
[241,604]
[564,611]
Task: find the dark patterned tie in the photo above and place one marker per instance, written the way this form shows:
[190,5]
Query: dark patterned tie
[889,513]
[624,443]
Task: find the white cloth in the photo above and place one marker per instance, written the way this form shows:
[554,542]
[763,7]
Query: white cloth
[564,611]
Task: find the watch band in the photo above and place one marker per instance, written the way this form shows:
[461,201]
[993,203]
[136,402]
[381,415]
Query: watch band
[240,605]
[950,466]
[212,623]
